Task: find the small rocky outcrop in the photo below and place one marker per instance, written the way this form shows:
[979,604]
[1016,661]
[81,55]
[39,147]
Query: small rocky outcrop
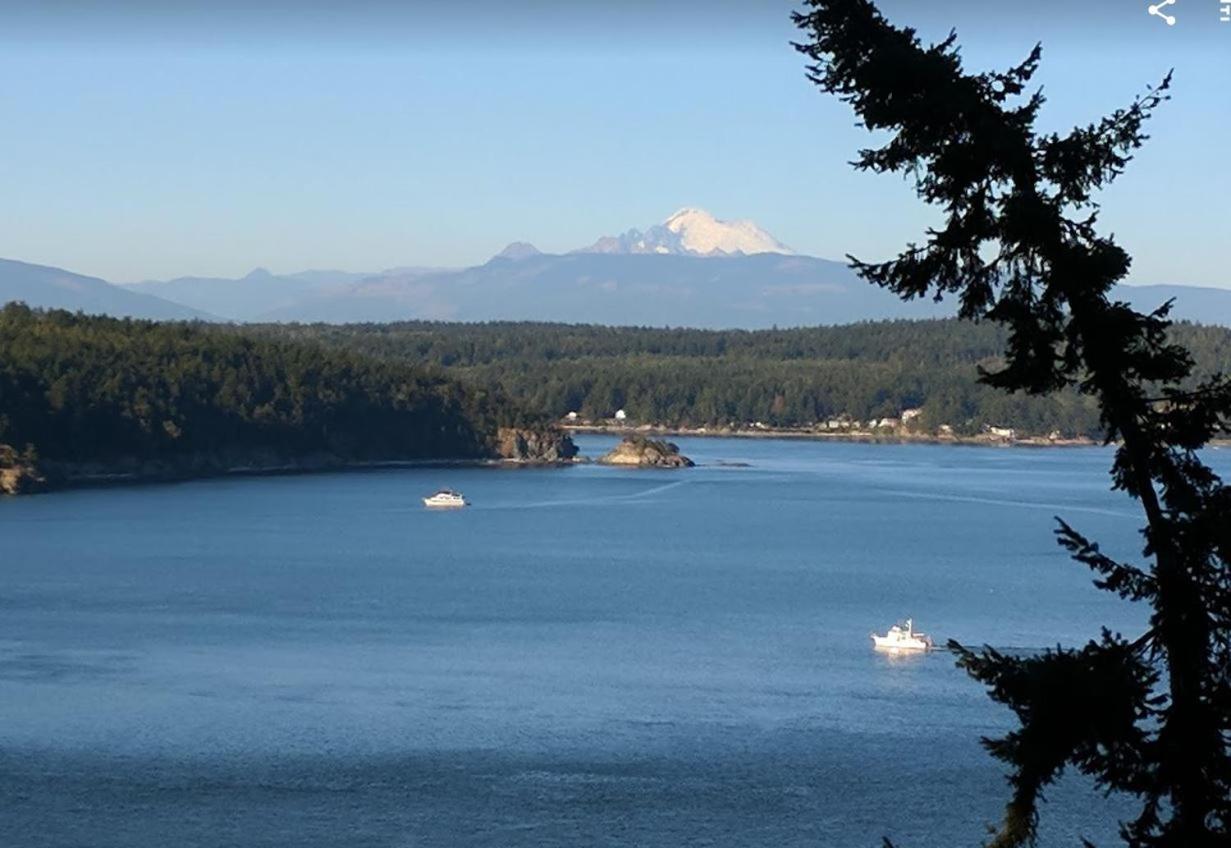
[646,453]
[21,480]
[19,474]
[540,444]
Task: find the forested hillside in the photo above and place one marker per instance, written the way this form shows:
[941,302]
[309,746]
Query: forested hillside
[81,389]
[139,398]
[782,378]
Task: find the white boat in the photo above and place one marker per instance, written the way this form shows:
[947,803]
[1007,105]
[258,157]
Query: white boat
[902,637]
[446,499]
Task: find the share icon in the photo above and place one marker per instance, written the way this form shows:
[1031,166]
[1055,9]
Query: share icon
[1157,9]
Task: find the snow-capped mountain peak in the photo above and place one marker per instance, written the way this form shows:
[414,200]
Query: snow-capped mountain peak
[692,232]
[700,232]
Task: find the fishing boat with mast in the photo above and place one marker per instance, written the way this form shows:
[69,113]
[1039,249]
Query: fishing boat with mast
[902,637]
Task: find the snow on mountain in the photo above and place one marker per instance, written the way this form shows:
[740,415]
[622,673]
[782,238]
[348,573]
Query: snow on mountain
[656,239]
[692,232]
[692,270]
[703,234]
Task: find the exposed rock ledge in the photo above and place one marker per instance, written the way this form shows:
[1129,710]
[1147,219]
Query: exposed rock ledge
[545,444]
[19,476]
[646,453]
[20,479]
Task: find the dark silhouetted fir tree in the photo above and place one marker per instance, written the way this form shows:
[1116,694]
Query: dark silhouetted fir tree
[1148,716]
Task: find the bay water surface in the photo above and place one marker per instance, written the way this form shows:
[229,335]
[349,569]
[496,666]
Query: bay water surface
[585,656]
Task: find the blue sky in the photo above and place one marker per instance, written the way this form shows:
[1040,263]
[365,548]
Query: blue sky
[145,143]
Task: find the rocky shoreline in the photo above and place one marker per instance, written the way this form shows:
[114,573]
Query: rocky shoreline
[539,445]
[77,479]
[21,479]
[512,447]
[987,440]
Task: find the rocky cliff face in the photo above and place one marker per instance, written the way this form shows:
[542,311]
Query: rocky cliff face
[646,453]
[546,444]
[18,476]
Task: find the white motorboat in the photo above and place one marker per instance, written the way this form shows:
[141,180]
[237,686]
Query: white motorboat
[446,499]
[902,637]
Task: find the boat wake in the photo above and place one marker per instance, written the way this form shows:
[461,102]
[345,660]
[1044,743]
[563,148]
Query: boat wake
[603,499]
[651,491]
[1053,508]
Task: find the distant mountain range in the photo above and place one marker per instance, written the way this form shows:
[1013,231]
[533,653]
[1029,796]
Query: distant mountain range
[53,288]
[690,270]
[252,295]
[619,288]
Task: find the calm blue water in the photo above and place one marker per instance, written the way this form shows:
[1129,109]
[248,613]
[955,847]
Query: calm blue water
[587,656]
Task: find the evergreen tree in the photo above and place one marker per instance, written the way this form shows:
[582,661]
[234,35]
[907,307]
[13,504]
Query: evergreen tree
[76,388]
[1150,716]
[681,376]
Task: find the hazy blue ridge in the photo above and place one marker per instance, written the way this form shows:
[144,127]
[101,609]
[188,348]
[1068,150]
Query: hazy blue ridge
[732,291]
[54,288]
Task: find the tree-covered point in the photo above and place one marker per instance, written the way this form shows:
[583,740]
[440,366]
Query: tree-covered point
[786,378]
[92,389]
